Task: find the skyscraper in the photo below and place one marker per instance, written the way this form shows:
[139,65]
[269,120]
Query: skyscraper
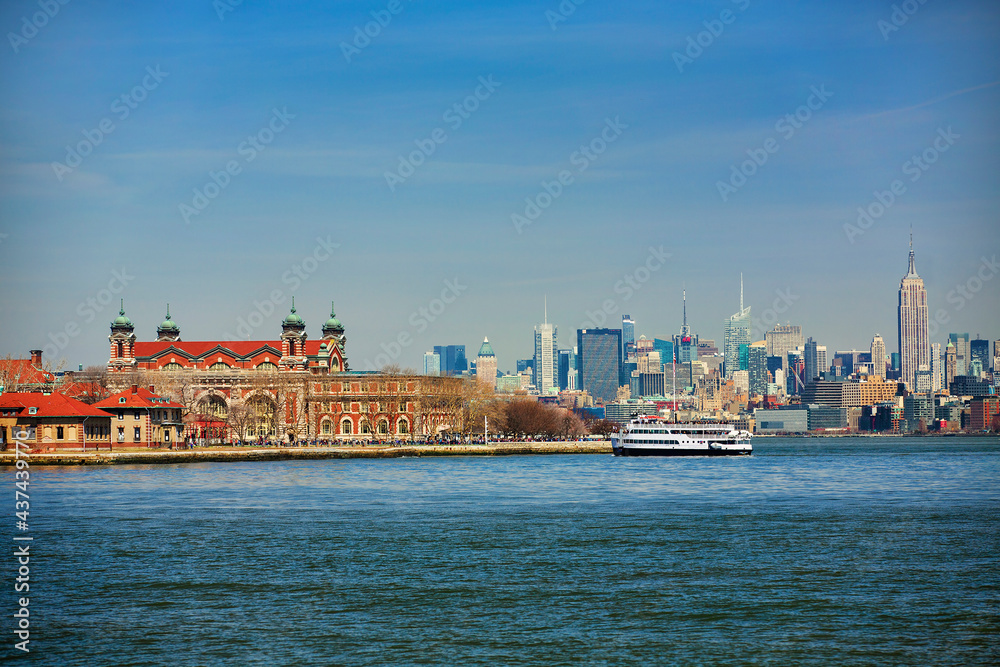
[950,365]
[962,353]
[432,363]
[979,349]
[815,360]
[600,362]
[486,364]
[782,338]
[453,361]
[628,336]
[757,368]
[546,367]
[737,332]
[878,356]
[914,338]
[936,361]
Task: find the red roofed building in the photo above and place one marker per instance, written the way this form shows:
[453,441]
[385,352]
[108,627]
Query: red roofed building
[56,421]
[292,352]
[25,374]
[287,390]
[141,418]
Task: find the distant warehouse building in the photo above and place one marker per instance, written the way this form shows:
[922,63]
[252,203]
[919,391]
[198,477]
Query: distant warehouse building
[782,420]
[800,418]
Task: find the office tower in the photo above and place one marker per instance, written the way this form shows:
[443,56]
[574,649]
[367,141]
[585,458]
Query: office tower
[628,336]
[996,356]
[979,350]
[567,370]
[453,361]
[665,348]
[796,372]
[923,383]
[950,365]
[914,339]
[546,359]
[936,360]
[962,355]
[744,357]
[878,356]
[432,363]
[737,332]
[600,362]
[814,357]
[757,368]
[783,338]
[525,365]
[486,364]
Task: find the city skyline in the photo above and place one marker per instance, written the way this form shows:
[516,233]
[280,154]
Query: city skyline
[801,163]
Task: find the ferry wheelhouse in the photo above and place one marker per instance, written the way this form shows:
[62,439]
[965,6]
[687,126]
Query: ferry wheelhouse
[651,436]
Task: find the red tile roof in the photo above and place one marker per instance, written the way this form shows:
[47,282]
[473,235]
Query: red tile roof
[138,397]
[23,371]
[48,405]
[237,348]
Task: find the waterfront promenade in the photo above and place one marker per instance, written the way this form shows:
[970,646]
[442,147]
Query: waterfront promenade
[221,454]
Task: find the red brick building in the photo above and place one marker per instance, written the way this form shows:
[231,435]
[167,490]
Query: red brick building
[289,389]
[985,411]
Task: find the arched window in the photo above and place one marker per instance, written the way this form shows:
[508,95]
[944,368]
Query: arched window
[266,366]
[326,427]
[121,352]
[172,366]
[346,428]
[213,407]
[383,427]
[219,366]
[366,428]
[334,365]
[403,427]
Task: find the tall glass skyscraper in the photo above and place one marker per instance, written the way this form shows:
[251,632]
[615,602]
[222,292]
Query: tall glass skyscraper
[628,336]
[914,338]
[815,360]
[453,360]
[600,362]
[737,332]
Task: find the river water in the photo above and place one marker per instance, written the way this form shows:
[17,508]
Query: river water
[812,551]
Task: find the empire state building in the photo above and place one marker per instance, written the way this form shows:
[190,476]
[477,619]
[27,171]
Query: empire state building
[914,339]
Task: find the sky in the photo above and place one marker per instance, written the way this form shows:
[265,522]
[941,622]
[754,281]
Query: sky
[443,175]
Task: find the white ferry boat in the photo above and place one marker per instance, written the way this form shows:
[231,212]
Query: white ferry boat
[651,436]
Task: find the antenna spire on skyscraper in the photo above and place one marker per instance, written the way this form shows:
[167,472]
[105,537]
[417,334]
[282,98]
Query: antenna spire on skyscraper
[741,291]
[546,309]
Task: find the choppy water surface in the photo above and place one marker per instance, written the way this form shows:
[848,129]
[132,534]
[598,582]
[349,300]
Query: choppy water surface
[813,551]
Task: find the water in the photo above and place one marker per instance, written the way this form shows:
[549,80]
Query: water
[813,551]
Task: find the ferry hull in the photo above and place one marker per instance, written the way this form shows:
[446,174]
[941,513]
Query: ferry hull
[678,451]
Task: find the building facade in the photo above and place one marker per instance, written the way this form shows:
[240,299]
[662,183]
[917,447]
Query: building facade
[914,338]
[600,362]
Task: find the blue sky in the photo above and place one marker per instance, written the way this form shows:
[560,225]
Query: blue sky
[345,121]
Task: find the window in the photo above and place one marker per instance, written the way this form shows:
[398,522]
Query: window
[32,410]
[121,434]
[121,415]
[172,366]
[383,427]
[219,366]
[121,399]
[266,366]
[137,414]
[326,427]
[404,427]
[345,427]
[138,434]
[59,433]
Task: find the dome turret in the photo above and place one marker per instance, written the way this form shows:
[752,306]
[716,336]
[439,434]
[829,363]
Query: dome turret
[168,330]
[122,322]
[293,321]
[333,325]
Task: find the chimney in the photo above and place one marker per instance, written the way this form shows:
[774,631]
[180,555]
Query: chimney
[152,389]
[36,357]
[135,389]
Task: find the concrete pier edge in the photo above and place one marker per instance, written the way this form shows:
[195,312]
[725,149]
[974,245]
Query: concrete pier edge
[63,458]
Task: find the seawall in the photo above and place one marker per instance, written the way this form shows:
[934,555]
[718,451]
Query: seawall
[62,458]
